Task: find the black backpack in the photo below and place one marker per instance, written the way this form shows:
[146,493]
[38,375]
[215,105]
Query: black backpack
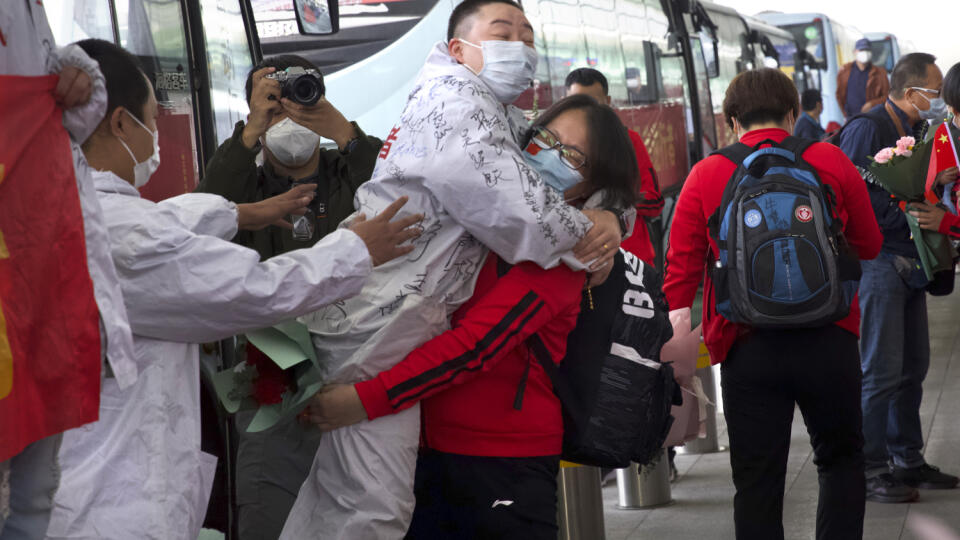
[783,260]
[615,394]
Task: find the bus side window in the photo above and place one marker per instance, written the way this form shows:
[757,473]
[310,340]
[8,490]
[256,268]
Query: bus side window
[72,20]
[644,83]
[228,62]
[155,33]
[603,48]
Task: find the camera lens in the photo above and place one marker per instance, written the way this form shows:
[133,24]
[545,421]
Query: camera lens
[306,90]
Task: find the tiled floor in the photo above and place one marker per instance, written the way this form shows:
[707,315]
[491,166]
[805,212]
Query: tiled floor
[703,494]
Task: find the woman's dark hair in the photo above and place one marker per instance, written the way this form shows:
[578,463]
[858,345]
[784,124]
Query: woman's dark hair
[951,88]
[759,96]
[611,161]
[126,86]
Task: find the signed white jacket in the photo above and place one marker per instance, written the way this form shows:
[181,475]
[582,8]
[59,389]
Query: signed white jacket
[455,152]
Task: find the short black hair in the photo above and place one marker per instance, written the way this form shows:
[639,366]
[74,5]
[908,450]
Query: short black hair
[758,96]
[951,88]
[281,62]
[810,98]
[124,88]
[587,77]
[611,159]
[468,8]
[911,70]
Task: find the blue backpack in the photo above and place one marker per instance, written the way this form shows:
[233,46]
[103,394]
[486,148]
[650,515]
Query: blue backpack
[783,260]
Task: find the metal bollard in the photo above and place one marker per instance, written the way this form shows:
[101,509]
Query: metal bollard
[644,489]
[579,503]
[708,444]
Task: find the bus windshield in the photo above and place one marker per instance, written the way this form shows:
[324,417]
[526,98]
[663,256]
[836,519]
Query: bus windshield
[883,53]
[810,37]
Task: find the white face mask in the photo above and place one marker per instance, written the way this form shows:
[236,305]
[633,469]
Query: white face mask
[292,144]
[508,67]
[864,57]
[142,171]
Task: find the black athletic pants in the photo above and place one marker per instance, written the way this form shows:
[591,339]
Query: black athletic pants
[764,374]
[468,497]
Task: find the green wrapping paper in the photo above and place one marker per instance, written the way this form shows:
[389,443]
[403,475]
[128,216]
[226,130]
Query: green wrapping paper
[905,178]
[287,345]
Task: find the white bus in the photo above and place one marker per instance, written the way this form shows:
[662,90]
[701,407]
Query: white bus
[826,44]
[887,49]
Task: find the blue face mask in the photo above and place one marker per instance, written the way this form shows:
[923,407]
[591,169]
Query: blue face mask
[552,170]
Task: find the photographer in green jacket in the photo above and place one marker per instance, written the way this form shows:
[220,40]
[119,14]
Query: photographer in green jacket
[271,465]
[288,133]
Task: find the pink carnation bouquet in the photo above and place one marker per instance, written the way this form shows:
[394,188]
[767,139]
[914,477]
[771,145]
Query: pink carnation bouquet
[901,168]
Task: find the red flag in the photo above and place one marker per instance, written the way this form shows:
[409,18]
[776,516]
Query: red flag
[49,326]
[943,155]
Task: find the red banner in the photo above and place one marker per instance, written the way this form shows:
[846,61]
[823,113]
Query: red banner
[49,328]
[178,171]
[662,128]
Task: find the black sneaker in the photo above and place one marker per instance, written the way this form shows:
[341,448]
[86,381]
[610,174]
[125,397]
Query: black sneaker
[884,488]
[925,477]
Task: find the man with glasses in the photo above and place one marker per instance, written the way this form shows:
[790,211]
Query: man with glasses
[894,338]
[455,152]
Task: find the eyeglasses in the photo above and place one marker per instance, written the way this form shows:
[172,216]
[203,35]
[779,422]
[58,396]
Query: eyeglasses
[570,156]
[936,93]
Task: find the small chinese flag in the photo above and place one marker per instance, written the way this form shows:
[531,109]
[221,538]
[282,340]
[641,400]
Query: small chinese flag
[943,156]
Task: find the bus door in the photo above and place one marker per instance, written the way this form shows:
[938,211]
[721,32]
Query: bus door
[155,33]
[198,75]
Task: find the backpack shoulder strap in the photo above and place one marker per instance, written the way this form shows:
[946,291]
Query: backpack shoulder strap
[540,352]
[736,152]
[837,136]
[797,145]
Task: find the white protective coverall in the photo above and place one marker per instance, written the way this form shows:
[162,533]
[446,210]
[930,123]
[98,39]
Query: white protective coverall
[138,472]
[29,50]
[455,153]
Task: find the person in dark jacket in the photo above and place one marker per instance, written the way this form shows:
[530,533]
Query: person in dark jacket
[808,125]
[496,466]
[861,85]
[272,464]
[288,134]
[767,372]
[894,344]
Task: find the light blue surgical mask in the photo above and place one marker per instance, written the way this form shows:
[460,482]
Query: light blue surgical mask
[547,162]
[508,67]
[938,107]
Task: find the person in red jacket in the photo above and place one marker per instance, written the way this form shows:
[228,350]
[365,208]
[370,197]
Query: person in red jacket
[594,84]
[488,464]
[765,372]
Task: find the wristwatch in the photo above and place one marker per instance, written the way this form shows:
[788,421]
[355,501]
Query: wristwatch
[621,219]
[351,144]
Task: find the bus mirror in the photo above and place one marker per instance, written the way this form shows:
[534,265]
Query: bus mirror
[317,17]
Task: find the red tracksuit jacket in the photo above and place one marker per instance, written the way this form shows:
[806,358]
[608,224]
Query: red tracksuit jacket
[692,248]
[467,377]
[649,206]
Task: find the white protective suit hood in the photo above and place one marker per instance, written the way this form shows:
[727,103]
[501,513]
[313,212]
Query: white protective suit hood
[454,151]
